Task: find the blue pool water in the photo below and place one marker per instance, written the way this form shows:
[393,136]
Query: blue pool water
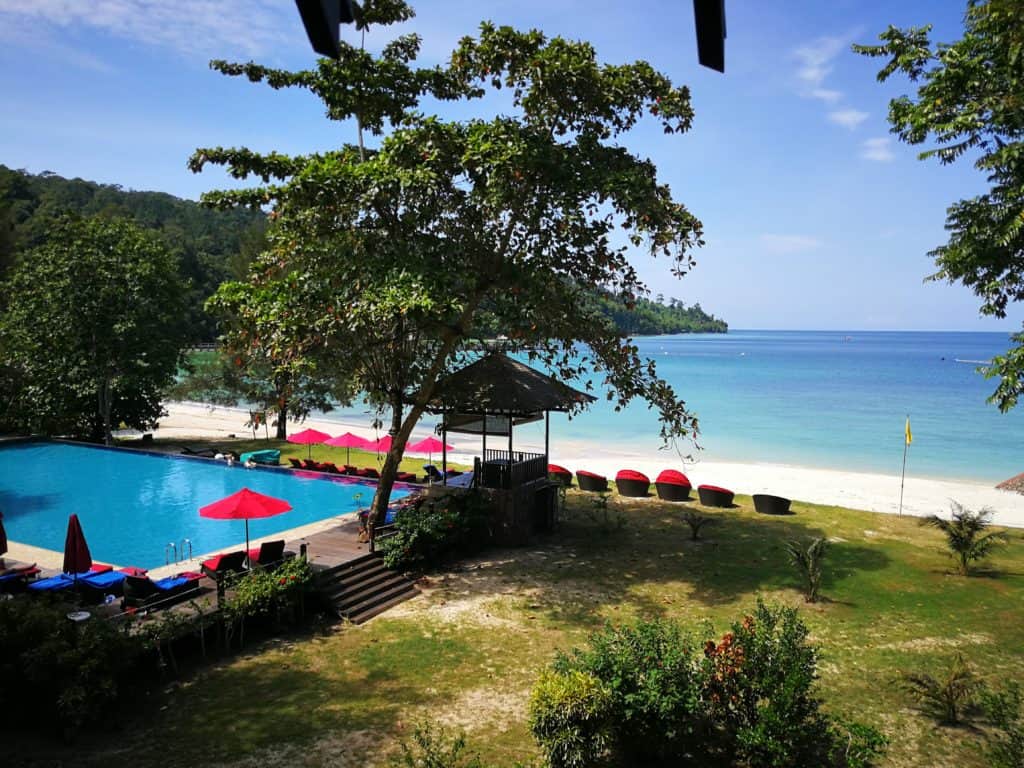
[132,504]
[830,399]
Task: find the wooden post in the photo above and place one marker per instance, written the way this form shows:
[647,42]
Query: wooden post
[510,459]
[547,438]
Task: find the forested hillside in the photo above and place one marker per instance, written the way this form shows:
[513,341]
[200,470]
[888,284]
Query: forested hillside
[210,246]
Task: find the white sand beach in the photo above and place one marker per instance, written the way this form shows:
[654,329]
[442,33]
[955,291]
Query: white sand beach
[858,490]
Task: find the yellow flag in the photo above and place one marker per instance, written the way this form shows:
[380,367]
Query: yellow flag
[910,437]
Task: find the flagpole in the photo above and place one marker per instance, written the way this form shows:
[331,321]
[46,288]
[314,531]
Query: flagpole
[903,476]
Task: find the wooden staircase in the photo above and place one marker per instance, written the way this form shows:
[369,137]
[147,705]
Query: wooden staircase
[362,588]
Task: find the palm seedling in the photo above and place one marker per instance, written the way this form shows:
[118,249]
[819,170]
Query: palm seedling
[965,535]
[696,521]
[808,560]
[945,698]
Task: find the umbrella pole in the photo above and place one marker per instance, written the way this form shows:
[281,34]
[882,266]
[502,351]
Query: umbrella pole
[247,540]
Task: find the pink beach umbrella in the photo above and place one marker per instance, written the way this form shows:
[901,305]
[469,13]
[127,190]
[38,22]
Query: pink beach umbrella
[428,446]
[348,441]
[383,445]
[309,437]
[245,505]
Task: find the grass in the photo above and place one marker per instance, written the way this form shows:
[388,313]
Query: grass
[339,456]
[466,652]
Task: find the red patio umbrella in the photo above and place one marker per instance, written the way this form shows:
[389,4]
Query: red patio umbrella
[308,437]
[383,445]
[76,552]
[348,441]
[245,505]
[428,445]
[3,535]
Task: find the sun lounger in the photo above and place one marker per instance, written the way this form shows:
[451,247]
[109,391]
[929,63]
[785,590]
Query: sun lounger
[312,466]
[267,553]
[588,481]
[143,592]
[370,473]
[714,496]
[631,483]
[296,463]
[673,485]
[95,586]
[330,467]
[405,477]
[433,474]
[560,475]
[225,564]
[64,581]
[767,504]
[16,578]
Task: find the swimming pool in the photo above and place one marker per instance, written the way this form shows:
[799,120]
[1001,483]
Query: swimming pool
[132,504]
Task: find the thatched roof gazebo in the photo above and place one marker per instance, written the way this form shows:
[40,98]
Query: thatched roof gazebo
[490,398]
[1015,484]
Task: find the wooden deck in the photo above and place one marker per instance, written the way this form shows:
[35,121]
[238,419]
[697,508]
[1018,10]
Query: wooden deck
[335,546]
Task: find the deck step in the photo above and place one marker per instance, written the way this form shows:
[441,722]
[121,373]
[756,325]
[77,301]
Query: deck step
[363,588]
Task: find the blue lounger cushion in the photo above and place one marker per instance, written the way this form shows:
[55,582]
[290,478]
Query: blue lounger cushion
[103,580]
[53,583]
[170,582]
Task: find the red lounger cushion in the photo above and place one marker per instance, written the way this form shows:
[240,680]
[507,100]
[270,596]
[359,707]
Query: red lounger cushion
[590,474]
[715,488]
[554,469]
[674,477]
[213,563]
[98,568]
[630,474]
[131,570]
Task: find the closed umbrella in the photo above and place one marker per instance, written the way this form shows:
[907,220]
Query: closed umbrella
[309,437]
[77,558]
[245,505]
[348,441]
[428,446]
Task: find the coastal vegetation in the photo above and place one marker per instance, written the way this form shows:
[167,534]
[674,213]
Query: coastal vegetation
[395,255]
[968,107]
[92,331]
[209,247]
[467,653]
[965,535]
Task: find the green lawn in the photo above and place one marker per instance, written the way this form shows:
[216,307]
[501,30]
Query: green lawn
[466,652]
[241,445]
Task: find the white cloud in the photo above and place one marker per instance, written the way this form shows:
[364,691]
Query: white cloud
[190,27]
[816,64]
[879,150]
[825,94]
[774,243]
[848,118]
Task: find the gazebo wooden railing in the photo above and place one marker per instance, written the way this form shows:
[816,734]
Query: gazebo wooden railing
[498,471]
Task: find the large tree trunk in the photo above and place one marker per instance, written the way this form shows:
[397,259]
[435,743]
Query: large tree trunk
[282,422]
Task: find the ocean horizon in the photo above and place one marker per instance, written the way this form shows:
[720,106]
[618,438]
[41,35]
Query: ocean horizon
[835,399]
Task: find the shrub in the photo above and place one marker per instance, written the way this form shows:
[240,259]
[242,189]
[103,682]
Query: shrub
[947,698]
[570,716]
[435,749]
[964,535]
[431,529]
[66,675]
[808,559]
[655,697]
[1006,716]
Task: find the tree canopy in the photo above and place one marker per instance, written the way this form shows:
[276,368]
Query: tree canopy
[209,246]
[92,331]
[970,104]
[413,245]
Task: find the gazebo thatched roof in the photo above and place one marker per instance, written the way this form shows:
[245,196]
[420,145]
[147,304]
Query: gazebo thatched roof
[498,384]
[1015,484]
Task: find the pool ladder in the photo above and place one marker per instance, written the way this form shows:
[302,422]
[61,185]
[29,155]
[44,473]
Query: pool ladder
[178,554]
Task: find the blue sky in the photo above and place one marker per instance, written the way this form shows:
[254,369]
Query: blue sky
[815,217]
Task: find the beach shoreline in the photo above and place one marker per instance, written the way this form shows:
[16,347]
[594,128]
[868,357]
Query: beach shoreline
[874,492]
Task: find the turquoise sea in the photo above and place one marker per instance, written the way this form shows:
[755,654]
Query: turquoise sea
[831,399]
